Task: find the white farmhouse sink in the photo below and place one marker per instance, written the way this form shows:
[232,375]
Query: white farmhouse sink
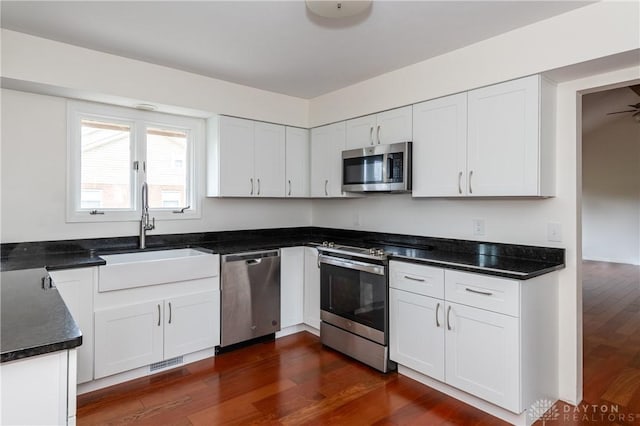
[129,270]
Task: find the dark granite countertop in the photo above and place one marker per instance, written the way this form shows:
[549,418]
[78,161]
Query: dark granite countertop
[34,321]
[499,259]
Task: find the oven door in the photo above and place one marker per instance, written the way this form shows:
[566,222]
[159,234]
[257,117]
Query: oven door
[353,296]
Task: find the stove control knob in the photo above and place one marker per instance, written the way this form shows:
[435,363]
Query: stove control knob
[331,244]
[372,251]
[325,244]
[380,252]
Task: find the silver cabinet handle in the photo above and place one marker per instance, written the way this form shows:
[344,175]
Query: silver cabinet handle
[326,182]
[420,280]
[258,186]
[289,187]
[158,315]
[448,318]
[251,179]
[378,134]
[460,183]
[318,257]
[437,310]
[484,293]
[470,176]
[371,135]
[170,313]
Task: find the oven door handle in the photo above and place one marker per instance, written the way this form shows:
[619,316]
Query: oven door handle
[352,264]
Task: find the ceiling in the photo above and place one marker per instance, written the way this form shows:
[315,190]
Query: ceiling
[596,106]
[276,46]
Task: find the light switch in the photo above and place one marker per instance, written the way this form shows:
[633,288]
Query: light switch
[478,227]
[554,232]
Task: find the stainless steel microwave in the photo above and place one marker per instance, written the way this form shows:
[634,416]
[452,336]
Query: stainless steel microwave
[380,168]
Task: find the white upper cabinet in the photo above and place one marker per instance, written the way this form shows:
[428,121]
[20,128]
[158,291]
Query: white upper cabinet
[510,136]
[269,160]
[494,141]
[327,144]
[297,162]
[245,158]
[383,128]
[440,147]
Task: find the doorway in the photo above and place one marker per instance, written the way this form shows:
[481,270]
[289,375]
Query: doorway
[611,253]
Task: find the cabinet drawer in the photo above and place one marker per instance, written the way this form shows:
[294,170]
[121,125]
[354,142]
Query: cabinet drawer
[415,278]
[490,293]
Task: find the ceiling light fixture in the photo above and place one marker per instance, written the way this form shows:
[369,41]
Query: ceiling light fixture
[338,9]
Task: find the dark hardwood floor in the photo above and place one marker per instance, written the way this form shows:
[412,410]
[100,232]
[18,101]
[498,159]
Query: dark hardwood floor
[294,380]
[291,381]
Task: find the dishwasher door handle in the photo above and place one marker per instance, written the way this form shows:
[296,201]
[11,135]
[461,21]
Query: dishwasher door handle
[253,261]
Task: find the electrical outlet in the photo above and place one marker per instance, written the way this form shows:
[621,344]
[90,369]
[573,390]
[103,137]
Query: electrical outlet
[554,232]
[478,227]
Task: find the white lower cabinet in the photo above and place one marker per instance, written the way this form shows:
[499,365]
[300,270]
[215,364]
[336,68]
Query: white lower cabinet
[191,323]
[291,286]
[132,336]
[39,390]
[417,332]
[464,337]
[482,354]
[128,337]
[311,288]
[76,289]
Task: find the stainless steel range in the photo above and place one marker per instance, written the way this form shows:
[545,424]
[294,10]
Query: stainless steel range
[354,306]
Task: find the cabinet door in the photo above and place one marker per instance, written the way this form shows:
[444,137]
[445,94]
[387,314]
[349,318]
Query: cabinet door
[440,147]
[416,332]
[360,132]
[76,288]
[192,323]
[128,337]
[311,288]
[269,156]
[236,157]
[483,354]
[291,286]
[327,144]
[35,390]
[297,162]
[503,138]
[394,126]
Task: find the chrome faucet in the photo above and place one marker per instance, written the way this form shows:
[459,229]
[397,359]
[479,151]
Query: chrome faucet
[144,220]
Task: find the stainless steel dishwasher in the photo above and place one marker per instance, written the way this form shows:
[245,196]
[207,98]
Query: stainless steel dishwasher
[250,296]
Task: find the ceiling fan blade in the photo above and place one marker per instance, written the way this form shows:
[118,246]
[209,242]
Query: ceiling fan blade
[621,112]
[635,88]
[636,106]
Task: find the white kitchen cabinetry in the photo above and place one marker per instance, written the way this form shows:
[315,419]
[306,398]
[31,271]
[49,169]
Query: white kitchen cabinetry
[191,323]
[292,262]
[245,158]
[76,289]
[144,333]
[483,354]
[382,128]
[493,141]
[297,162]
[311,288]
[440,147]
[490,337]
[128,337]
[327,144]
[39,390]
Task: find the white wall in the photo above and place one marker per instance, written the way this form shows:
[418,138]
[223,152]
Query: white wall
[590,32]
[611,192]
[52,67]
[33,176]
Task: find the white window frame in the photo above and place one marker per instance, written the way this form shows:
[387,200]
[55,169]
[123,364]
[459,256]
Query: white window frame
[138,121]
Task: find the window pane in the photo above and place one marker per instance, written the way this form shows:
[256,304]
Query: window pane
[166,171]
[105,165]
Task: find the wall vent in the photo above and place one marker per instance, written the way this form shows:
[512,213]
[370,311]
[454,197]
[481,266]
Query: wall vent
[166,363]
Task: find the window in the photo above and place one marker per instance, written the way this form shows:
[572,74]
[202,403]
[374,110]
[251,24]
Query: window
[113,150]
